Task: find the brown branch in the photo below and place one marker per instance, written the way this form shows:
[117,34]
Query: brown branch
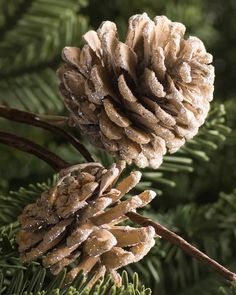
[53,119]
[181,243]
[30,147]
[37,121]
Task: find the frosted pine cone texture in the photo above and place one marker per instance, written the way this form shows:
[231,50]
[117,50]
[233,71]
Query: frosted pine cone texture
[139,98]
[74,223]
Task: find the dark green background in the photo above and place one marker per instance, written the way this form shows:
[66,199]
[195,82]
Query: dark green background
[32,35]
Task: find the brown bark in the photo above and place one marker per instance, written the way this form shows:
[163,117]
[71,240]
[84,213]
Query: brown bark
[34,120]
[30,147]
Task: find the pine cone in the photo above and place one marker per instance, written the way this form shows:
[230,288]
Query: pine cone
[142,97]
[72,223]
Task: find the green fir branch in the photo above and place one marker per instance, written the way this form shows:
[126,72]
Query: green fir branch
[36,280]
[30,50]
[228,290]
[11,205]
[37,92]
[40,34]
[196,151]
[9,10]
[211,228]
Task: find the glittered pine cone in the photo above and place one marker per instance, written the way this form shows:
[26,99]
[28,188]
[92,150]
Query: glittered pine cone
[139,98]
[76,221]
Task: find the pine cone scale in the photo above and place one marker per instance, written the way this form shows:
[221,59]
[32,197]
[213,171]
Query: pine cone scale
[115,114]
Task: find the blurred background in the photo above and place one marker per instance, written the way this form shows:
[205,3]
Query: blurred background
[190,184]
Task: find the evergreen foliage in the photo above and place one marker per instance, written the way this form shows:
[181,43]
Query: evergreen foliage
[210,228]
[30,50]
[35,280]
[191,221]
[200,149]
[32,34]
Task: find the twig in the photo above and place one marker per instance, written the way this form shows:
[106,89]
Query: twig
[53,119]
[30,147]
[181,243]
[34,120]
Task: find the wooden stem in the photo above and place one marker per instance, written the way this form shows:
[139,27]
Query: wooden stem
[37,121]
[30,147]
[181,243]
